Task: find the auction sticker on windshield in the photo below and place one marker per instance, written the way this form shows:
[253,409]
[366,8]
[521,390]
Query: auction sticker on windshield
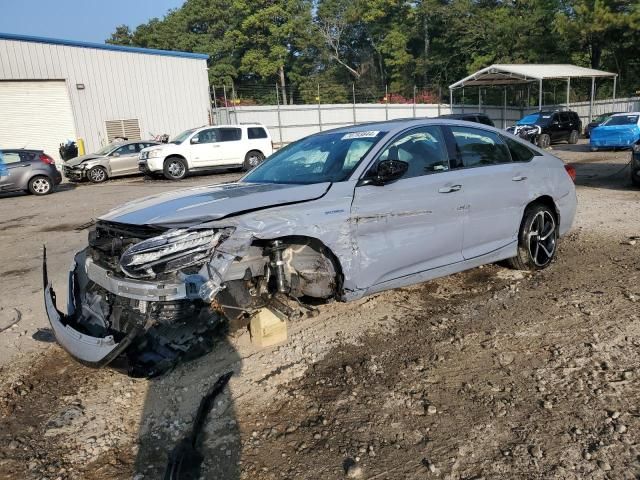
[368,134]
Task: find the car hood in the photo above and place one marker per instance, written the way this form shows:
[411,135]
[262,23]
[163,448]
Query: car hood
[608,130]
[84,158]
[192,206]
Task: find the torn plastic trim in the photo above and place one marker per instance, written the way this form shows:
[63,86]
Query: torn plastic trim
[91,351]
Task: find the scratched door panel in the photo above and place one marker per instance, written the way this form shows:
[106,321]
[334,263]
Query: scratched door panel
[407,226]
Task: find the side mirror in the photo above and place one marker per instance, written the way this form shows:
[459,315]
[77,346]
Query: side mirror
[390,170]
[115,154]
[195,139]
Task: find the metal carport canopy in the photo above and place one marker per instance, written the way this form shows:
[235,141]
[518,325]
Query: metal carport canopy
[518,74]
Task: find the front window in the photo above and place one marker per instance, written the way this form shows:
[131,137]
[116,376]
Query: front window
[182,137]
[621,120]
[536,119]
[328,157]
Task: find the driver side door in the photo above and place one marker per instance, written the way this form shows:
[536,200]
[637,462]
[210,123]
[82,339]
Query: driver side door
[414,224]
[124,160]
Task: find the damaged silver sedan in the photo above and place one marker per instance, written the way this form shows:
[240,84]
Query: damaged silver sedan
[335,216]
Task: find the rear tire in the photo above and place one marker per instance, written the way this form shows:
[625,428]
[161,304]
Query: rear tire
[40,185]
[174,168]
[537,240]
[573,137]
[252,160]
[97,175]
[544,141]
[635,177]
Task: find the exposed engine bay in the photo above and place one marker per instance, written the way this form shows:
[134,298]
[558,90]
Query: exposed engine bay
[142,298]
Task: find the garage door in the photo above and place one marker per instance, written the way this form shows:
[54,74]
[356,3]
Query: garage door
[35,115]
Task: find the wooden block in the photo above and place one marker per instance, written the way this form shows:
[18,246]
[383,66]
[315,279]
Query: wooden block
[267,329]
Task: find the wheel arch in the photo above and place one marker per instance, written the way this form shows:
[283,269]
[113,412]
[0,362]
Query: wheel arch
[316,244]
[547,201]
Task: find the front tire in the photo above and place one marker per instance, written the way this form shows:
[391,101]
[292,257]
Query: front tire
[573,137]
[537,240]
[40,185]
[544,141]
[635,177]
[97,175]
[252,160]
[174,168]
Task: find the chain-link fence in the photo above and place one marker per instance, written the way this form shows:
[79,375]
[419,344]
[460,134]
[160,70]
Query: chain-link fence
[323,107]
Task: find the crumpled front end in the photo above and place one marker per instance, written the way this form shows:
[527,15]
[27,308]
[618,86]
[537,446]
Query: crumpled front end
[119,308]
[154,295]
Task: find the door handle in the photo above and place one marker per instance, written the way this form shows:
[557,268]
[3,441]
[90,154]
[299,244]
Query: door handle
[452,188]
[215,145]
[519,178]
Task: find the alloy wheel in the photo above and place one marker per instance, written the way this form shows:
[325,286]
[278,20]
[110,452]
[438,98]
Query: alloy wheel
[176,169]
[254,160]
[41,186]
[542,238]
[97,175]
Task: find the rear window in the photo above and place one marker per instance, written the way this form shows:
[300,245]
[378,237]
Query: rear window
[256,132]
[519,153]
[229,134]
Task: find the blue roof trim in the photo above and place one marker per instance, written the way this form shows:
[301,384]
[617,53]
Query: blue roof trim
[101,46]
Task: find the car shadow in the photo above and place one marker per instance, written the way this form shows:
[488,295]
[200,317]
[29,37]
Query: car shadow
[170,407]
[614,176]
[63,187]
[568,147]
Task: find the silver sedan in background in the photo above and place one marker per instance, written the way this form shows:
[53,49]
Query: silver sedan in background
[114,160]
[338,215]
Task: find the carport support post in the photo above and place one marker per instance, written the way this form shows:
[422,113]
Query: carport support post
[479,99]
[451,100]
[353,91]
[279,121]
[504,108]
[319,110]
[540,95]
[414,103]
[568,91]
[613,98]
[593,92]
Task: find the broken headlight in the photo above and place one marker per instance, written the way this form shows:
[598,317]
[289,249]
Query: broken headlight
[170,252]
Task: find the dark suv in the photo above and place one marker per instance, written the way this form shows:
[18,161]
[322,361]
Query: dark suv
[470,117]
[546,127]
[635,164]
[29,170]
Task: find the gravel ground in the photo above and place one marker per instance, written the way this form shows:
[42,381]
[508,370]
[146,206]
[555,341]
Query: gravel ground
[490,373]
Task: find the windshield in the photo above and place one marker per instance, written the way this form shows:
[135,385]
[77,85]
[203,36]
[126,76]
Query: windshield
[329,157]
[182,137]
[621,120]
[535,119]
[107,149]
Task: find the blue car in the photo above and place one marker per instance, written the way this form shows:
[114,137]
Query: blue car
[618,131]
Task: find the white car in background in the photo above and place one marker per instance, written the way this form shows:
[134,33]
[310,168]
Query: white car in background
[228,146]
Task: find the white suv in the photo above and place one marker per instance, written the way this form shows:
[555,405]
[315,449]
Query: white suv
[206,147]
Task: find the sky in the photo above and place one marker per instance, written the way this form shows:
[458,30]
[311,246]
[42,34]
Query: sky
[86,20]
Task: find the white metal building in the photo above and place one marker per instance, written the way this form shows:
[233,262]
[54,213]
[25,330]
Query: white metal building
[55,90]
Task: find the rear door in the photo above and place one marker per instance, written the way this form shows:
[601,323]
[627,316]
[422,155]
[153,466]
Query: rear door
[259,140]
[124,160]
[495,190]
[231,149]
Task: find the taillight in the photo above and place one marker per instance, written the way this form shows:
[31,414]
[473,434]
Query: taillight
[47,159]
[571,171]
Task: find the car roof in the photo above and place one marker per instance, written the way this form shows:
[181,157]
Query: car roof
[20,150]
[402,123]
[463,115]
[625,114]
